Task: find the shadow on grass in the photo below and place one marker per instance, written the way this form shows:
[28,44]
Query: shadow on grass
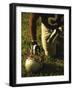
[47,69]
[52,69]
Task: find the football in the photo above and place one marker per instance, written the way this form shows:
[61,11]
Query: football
[32,65]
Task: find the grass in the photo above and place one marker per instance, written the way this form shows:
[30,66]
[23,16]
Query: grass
[51,66]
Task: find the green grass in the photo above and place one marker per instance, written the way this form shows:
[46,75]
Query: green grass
[51,66]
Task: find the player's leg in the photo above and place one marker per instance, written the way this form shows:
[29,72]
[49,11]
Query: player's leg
[32,27]
[44,35]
